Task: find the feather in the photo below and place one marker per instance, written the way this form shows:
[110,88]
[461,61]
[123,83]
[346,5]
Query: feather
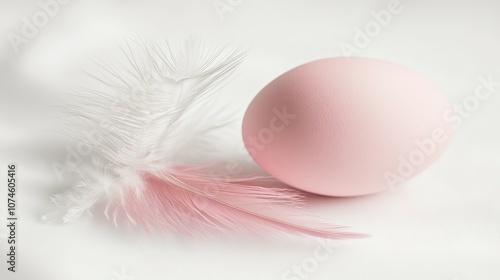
[147,122]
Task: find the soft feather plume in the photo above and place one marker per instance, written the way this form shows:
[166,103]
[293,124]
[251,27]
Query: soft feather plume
[138,172]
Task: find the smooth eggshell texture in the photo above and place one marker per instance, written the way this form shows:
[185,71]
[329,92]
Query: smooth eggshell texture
[347,126]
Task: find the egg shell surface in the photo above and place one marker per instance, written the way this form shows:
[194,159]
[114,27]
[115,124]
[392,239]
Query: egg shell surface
[347,126]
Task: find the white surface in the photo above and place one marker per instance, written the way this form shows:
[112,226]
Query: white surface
[444,224]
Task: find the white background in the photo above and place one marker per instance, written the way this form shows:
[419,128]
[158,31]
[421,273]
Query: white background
[443,225]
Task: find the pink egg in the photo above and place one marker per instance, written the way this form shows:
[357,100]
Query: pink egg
[347,127]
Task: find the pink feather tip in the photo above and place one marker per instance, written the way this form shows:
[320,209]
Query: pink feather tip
[189,201]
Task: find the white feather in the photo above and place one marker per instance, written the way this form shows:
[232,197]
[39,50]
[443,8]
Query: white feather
[145,116]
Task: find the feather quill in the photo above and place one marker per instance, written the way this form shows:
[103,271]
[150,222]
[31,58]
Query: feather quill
[146,120]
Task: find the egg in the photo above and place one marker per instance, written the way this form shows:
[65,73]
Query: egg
[347,126]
